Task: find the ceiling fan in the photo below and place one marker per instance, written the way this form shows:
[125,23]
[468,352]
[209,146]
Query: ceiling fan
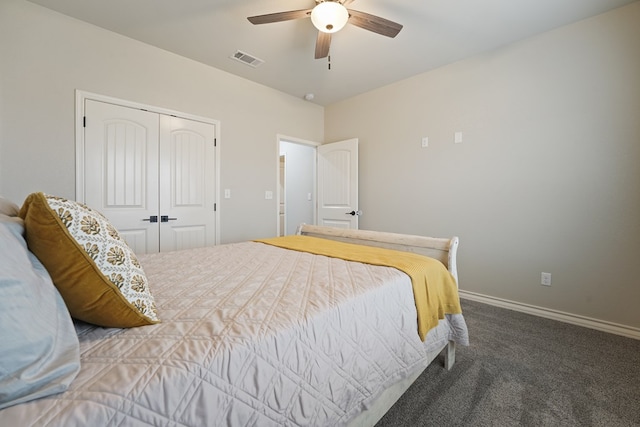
[329,16]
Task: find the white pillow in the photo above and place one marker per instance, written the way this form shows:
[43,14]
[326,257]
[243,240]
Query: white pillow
[39,350]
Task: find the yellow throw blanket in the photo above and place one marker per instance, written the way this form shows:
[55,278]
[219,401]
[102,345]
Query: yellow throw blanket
[434,288]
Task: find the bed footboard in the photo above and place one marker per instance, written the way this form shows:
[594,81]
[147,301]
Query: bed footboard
[442,249]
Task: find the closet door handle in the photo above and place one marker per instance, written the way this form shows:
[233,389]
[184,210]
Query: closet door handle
[165,218]
[152,218]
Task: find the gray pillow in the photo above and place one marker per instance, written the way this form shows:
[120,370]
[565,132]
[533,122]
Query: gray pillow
[7,207]
[39,350]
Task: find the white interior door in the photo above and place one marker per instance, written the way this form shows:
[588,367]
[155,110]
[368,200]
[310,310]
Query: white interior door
[121,170]
[338,184]
[187,184]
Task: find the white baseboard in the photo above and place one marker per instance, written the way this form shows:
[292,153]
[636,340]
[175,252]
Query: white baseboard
[600,325]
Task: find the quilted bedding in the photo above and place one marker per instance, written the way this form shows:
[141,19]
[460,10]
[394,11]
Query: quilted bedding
[251,335]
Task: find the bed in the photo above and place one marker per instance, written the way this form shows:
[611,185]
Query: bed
[248,333]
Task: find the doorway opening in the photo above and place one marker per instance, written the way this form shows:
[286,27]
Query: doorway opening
[297,184]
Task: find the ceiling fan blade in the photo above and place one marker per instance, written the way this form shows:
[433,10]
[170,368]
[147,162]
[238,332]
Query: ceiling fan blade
[374,23]
[322,44]
[279,16]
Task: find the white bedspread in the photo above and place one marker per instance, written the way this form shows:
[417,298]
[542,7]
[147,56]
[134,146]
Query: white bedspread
[251,335]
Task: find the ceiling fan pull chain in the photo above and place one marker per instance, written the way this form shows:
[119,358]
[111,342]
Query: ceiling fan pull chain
[329,61]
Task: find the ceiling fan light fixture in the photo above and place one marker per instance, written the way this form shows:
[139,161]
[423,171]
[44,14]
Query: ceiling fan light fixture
[329,16]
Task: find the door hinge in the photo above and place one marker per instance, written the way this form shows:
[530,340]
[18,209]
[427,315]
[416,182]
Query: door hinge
[215,207]
[84,121]
[215,142]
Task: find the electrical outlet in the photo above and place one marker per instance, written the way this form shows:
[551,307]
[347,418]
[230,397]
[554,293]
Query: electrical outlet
[545,279]
[425,142]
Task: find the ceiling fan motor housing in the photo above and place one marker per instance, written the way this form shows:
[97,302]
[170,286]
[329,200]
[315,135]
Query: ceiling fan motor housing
[329,16]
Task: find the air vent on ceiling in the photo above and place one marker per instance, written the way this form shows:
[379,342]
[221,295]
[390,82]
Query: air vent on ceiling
[245,58]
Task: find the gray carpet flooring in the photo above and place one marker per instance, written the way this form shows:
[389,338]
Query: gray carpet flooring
[523,370]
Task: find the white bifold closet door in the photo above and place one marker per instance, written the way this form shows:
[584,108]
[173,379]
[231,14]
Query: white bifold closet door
[152,175]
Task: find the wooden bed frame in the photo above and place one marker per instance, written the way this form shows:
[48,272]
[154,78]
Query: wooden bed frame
[442,249]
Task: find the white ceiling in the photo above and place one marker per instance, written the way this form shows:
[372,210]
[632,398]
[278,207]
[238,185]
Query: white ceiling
[435,33]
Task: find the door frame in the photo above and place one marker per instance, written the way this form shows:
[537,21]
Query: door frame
[82,96]
[285,138]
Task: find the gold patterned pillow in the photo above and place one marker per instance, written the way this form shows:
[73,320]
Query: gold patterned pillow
[97,274]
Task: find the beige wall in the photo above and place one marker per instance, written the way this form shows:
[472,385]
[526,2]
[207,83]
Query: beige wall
[547,177]
[45,57]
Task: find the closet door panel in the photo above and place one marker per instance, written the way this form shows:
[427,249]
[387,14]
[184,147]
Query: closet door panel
[187,183]
[189,237]
[121,170]
[125,157]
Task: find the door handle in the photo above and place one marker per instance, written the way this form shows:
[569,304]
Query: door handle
[354,213]
[152,218]
[165,218]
